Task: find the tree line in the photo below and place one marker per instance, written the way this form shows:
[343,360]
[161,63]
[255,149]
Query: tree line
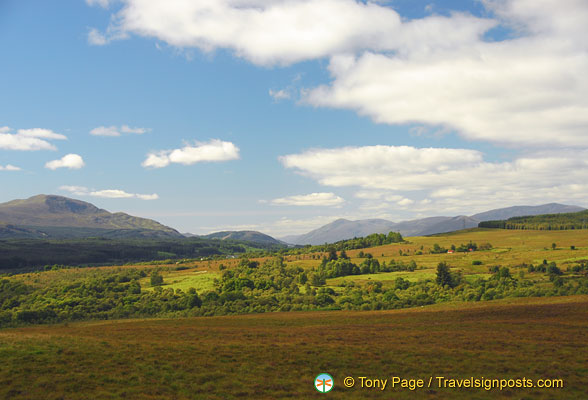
[566,221]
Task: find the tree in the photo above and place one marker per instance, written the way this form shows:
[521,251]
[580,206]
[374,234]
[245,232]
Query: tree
[553,246]
[156,279]
[302,278]
[438,249]
[444,277]
[317,280]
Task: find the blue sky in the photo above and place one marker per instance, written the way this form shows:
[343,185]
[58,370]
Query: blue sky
[281,116]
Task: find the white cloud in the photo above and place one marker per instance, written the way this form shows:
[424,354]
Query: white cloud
[448,192]
[77,190]
[529,90]
[441,72]
[41,133]
[9,167]
[447,179]
[380,167]
[128,129]
[101,3]
[71,161]
[107,193]
[116,131]
[286,31]
[405,202]
[211,151]
[282,94]
[312,199]
[96,38]
[28,139]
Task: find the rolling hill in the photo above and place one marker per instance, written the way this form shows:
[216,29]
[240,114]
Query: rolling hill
[49,216]
[246,236]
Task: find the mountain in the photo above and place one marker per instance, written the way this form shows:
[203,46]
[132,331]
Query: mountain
[448,225]
[45,216]
[520,211]
[246,236]
[416,227]
[343,229]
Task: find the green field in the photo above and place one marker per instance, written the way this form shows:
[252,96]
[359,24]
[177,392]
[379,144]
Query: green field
[200,280]
[277,355]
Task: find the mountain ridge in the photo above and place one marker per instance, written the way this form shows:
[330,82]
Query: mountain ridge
[248,236]
[343,229]
[38,215]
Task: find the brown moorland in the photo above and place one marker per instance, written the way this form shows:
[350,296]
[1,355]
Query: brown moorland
[277,355]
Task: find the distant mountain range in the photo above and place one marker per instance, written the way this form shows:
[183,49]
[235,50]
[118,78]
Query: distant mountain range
[523,211]
[343,229]
[49,216]
[246,236]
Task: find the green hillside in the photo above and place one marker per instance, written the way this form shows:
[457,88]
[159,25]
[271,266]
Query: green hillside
[554,222]
[28,254]
[248,236]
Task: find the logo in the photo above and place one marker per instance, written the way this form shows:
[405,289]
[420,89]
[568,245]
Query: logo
[324,383]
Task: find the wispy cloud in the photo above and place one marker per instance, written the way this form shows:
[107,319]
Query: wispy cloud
[101,3]
[214,150]
[9,167]
[70,161]
[28,139]
[41,133]
[116,130]
[107,193]
[282,94]
[312,199]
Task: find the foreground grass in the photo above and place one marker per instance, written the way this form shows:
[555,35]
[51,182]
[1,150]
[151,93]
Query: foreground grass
[277,355]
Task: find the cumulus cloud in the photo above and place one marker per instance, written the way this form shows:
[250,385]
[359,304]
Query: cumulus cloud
[380,167]
[107,193]
[286,31]
[525,89]
[28,139]
[116,131]
[212,151]
[71,161]
[449,179]
[312,199]
[9,167]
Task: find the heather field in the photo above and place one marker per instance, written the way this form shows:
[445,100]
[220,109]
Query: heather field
[277,355]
